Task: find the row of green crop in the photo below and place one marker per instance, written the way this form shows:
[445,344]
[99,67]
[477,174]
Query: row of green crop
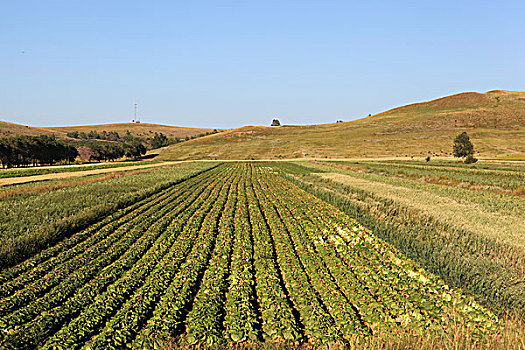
[241,319]
[126,263]
[131,316]
[31,223]
[171,310]
[485,267]
[280,319]
[319,326]
[204,322]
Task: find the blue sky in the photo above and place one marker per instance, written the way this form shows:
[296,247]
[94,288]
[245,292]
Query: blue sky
[232,63]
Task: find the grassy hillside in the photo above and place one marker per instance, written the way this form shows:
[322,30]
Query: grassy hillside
[12,129]
[142,130]
[494,120]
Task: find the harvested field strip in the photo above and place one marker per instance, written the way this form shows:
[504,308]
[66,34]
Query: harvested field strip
[508,182]
[505,228]
[489,201]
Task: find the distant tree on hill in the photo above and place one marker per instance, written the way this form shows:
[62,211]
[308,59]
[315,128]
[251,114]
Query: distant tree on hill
[276,122]
[134,150]
[462,146]
[159,140]
[128,137]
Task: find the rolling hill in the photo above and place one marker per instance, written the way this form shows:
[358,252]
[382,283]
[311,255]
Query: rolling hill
[142,130]
[494,120]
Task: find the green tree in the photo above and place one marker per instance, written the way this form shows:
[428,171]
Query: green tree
[276,122]
[159,140]
[462,146]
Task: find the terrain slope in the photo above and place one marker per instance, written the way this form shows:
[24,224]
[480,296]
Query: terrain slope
[142,130]
[495,121]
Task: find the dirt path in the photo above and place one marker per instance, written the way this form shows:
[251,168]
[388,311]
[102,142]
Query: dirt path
[57,176]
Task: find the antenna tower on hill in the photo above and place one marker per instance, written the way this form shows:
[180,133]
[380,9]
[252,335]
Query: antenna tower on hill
[135,118]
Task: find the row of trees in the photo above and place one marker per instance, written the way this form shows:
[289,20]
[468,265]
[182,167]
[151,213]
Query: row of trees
[34,150]
[47,150]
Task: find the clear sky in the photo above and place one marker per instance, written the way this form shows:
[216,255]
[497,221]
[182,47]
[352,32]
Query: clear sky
[233,63]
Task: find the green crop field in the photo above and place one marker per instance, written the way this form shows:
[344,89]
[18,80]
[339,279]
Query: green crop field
[238,254]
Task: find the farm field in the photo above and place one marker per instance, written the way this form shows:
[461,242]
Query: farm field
[39,214]
[464,223]
[233,254]
[69,173]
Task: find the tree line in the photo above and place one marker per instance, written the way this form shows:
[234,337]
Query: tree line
[17,151]
[35,150]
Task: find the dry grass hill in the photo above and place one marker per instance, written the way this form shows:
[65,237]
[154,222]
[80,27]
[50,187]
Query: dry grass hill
[494,120]
[142,130]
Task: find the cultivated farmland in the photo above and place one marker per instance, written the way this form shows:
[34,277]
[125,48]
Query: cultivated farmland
[234,254]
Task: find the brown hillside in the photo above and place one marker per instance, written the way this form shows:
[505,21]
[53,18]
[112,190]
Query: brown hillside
[494,120]
[12,129]
[137,130]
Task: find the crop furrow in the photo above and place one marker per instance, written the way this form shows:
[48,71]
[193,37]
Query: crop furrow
[170,312]
[280,319]
[343,312]
[241,321]
[46,322]
[319,324]
[107,303]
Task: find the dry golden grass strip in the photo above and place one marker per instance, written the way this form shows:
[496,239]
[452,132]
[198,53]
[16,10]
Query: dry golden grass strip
[469,216]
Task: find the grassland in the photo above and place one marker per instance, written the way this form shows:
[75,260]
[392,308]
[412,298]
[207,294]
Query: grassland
[495,122]
[233,256]
[471,235]
[142,130]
